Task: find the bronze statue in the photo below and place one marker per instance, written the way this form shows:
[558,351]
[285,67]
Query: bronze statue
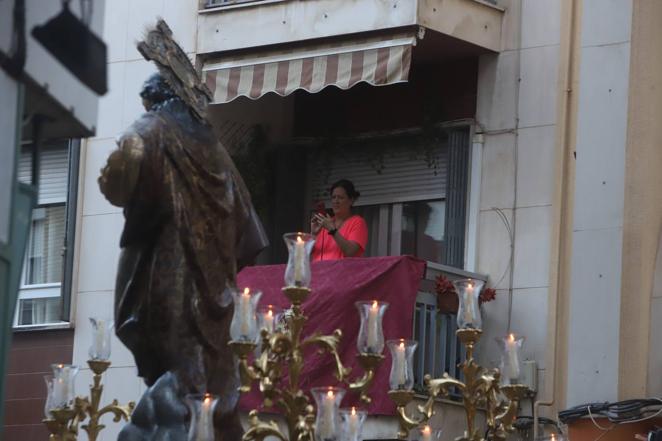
[188,220]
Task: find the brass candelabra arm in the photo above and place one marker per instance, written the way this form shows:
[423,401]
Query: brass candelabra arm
[58,425]
[329,343]
[401,398]
[120,412]
[369,363]
[259,430]
[247,374]
[437,388]
[505,419]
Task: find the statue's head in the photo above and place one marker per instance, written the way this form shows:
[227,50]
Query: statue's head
[156,91]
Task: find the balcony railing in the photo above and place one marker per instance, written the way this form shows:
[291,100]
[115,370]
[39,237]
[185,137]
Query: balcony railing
[438,349]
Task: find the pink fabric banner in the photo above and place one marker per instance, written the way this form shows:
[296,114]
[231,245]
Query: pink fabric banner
[336,286]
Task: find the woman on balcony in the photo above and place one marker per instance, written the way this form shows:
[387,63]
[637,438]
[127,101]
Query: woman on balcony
[344,234]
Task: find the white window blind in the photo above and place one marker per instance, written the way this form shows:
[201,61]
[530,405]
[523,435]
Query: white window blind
[53,172]
[396,175]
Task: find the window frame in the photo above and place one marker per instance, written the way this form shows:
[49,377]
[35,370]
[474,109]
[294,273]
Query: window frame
[472,158]
[62,289]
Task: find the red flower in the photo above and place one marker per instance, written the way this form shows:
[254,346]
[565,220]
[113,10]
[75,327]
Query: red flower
[487,295]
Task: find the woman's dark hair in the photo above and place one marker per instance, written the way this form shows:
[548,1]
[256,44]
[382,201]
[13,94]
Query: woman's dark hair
[348,186]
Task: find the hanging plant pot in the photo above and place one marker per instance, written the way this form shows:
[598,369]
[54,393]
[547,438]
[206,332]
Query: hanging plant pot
[447,304]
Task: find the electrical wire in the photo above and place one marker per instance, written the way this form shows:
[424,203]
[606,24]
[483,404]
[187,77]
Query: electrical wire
[620,412]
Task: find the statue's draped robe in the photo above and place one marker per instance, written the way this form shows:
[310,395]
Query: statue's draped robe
[186,208]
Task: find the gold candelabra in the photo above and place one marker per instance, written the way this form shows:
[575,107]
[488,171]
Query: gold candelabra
[284,349]
[480,390]
[65,421]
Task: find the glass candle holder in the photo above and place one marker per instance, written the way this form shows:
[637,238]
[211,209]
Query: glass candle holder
[268,317]
[48,405]
[427,433]
[201,426]
[101,330]
[244,326]
[402,364]
[468,313]
[63,393]
[371,333]
[299,246]
[511,364]
[327,425]
[351,422]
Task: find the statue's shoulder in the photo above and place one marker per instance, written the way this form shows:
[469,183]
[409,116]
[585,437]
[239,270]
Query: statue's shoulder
[147,124]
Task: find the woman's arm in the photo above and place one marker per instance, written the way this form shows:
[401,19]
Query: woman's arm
[348,247]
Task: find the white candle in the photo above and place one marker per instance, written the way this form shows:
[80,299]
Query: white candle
[513,361]
[327,419]
[245,307]
[299,257]
[99,337]
[426,434]
[400,364]
[353,425]
[468,313]
[268,318]
[373,327]
[204,424]
[59,392]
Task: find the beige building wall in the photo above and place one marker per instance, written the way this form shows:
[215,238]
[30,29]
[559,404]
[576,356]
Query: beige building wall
[516,113]
[640,370]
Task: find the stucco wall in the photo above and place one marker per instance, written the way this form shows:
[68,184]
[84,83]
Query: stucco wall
[640,372]
[597,237]
[516,112]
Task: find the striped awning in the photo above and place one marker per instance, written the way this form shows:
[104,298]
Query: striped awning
[378,61]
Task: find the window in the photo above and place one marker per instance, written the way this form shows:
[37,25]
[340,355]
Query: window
[413,191]
[45,281]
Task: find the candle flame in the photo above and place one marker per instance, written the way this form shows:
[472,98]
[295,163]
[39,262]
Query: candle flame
[353,410]
[427,430]
[299,239]
[329,394]
[207,399]
[402,344]
[375,304]
[270,313]
[511,337]
[247,290]
[553,437]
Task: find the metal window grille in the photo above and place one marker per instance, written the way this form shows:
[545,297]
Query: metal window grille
[438,348]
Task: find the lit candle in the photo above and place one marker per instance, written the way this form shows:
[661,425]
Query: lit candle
[245,316]
[426,434]
[468,312]
[59,392]
[99,337]
[205,422]
[400,364]
[513,361]
[268,319]
[299,258]
[373,326]
[327,419]
[353,424]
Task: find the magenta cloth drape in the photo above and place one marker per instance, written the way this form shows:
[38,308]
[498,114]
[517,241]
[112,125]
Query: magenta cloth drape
[336,285]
